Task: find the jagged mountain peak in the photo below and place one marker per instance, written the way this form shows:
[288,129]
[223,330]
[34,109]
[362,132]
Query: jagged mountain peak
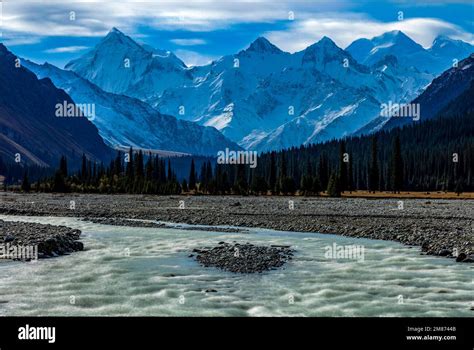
[393,34]
[443,42]
[326,44]
[397,36]
[262,45]
[396,39]
[115,30]
[409,53]
[120,65]
[116,37]
[125,121]
[326,41]
[247,100]
[322,52]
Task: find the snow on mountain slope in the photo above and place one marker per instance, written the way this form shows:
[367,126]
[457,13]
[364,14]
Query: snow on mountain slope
[250,103]
[120,65]
[218,96]
[324,109]
[410,54]
[125,121]
[248,96]
[442,45]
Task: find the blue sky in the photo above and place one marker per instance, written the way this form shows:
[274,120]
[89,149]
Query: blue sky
[200,31]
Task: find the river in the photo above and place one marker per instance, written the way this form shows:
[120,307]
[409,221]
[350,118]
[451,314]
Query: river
[148,271]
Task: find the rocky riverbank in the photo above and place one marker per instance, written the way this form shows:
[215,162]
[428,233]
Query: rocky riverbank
[30,241]
[144,223]
[243,258]
[438,227]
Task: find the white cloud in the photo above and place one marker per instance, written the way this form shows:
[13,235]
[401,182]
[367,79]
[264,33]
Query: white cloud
[344,29]
[53,18]
[16,40]
[188,42]
[193,58]
[66,49]
[313,20]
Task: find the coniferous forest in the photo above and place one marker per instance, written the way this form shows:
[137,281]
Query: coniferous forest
[436,155]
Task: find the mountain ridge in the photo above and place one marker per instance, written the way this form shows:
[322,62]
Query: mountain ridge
[126,121]
[248,95]
[30,125]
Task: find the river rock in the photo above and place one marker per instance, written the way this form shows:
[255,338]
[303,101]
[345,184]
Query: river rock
[243,258]
[461,257]
[444,252]
[50,240]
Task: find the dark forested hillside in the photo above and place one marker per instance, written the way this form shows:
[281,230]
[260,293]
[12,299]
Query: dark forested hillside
[435,155]
[442,91]
[30,131]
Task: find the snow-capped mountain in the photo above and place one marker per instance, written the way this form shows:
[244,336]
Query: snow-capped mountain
[435,59]
[120,65]
[125,121]
[264,98]
[219,93]
[277,100]
[274,99]
[444,46]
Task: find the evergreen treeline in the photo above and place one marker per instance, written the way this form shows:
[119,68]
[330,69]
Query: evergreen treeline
[132,172]
[436,155]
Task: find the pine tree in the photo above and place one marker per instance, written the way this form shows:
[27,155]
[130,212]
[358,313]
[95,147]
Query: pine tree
[89,171]
[170,176]
[350,181]
[241,185]
[25,184]
[63,166]
[333,189]
[316,186]
[306,186]
[272,177]
[282,166]
[203,178]
[374,167]
[59,184]
[288,185]
[84,168]
[139,165]
[184,186]
[397,166]
[323,171]
[208,172]
[149,168]
[259,185]
[130,172]
[192,176]
[459,188]
[342,166]
[118,164]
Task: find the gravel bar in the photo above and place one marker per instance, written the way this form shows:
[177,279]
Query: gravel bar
[442,227]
